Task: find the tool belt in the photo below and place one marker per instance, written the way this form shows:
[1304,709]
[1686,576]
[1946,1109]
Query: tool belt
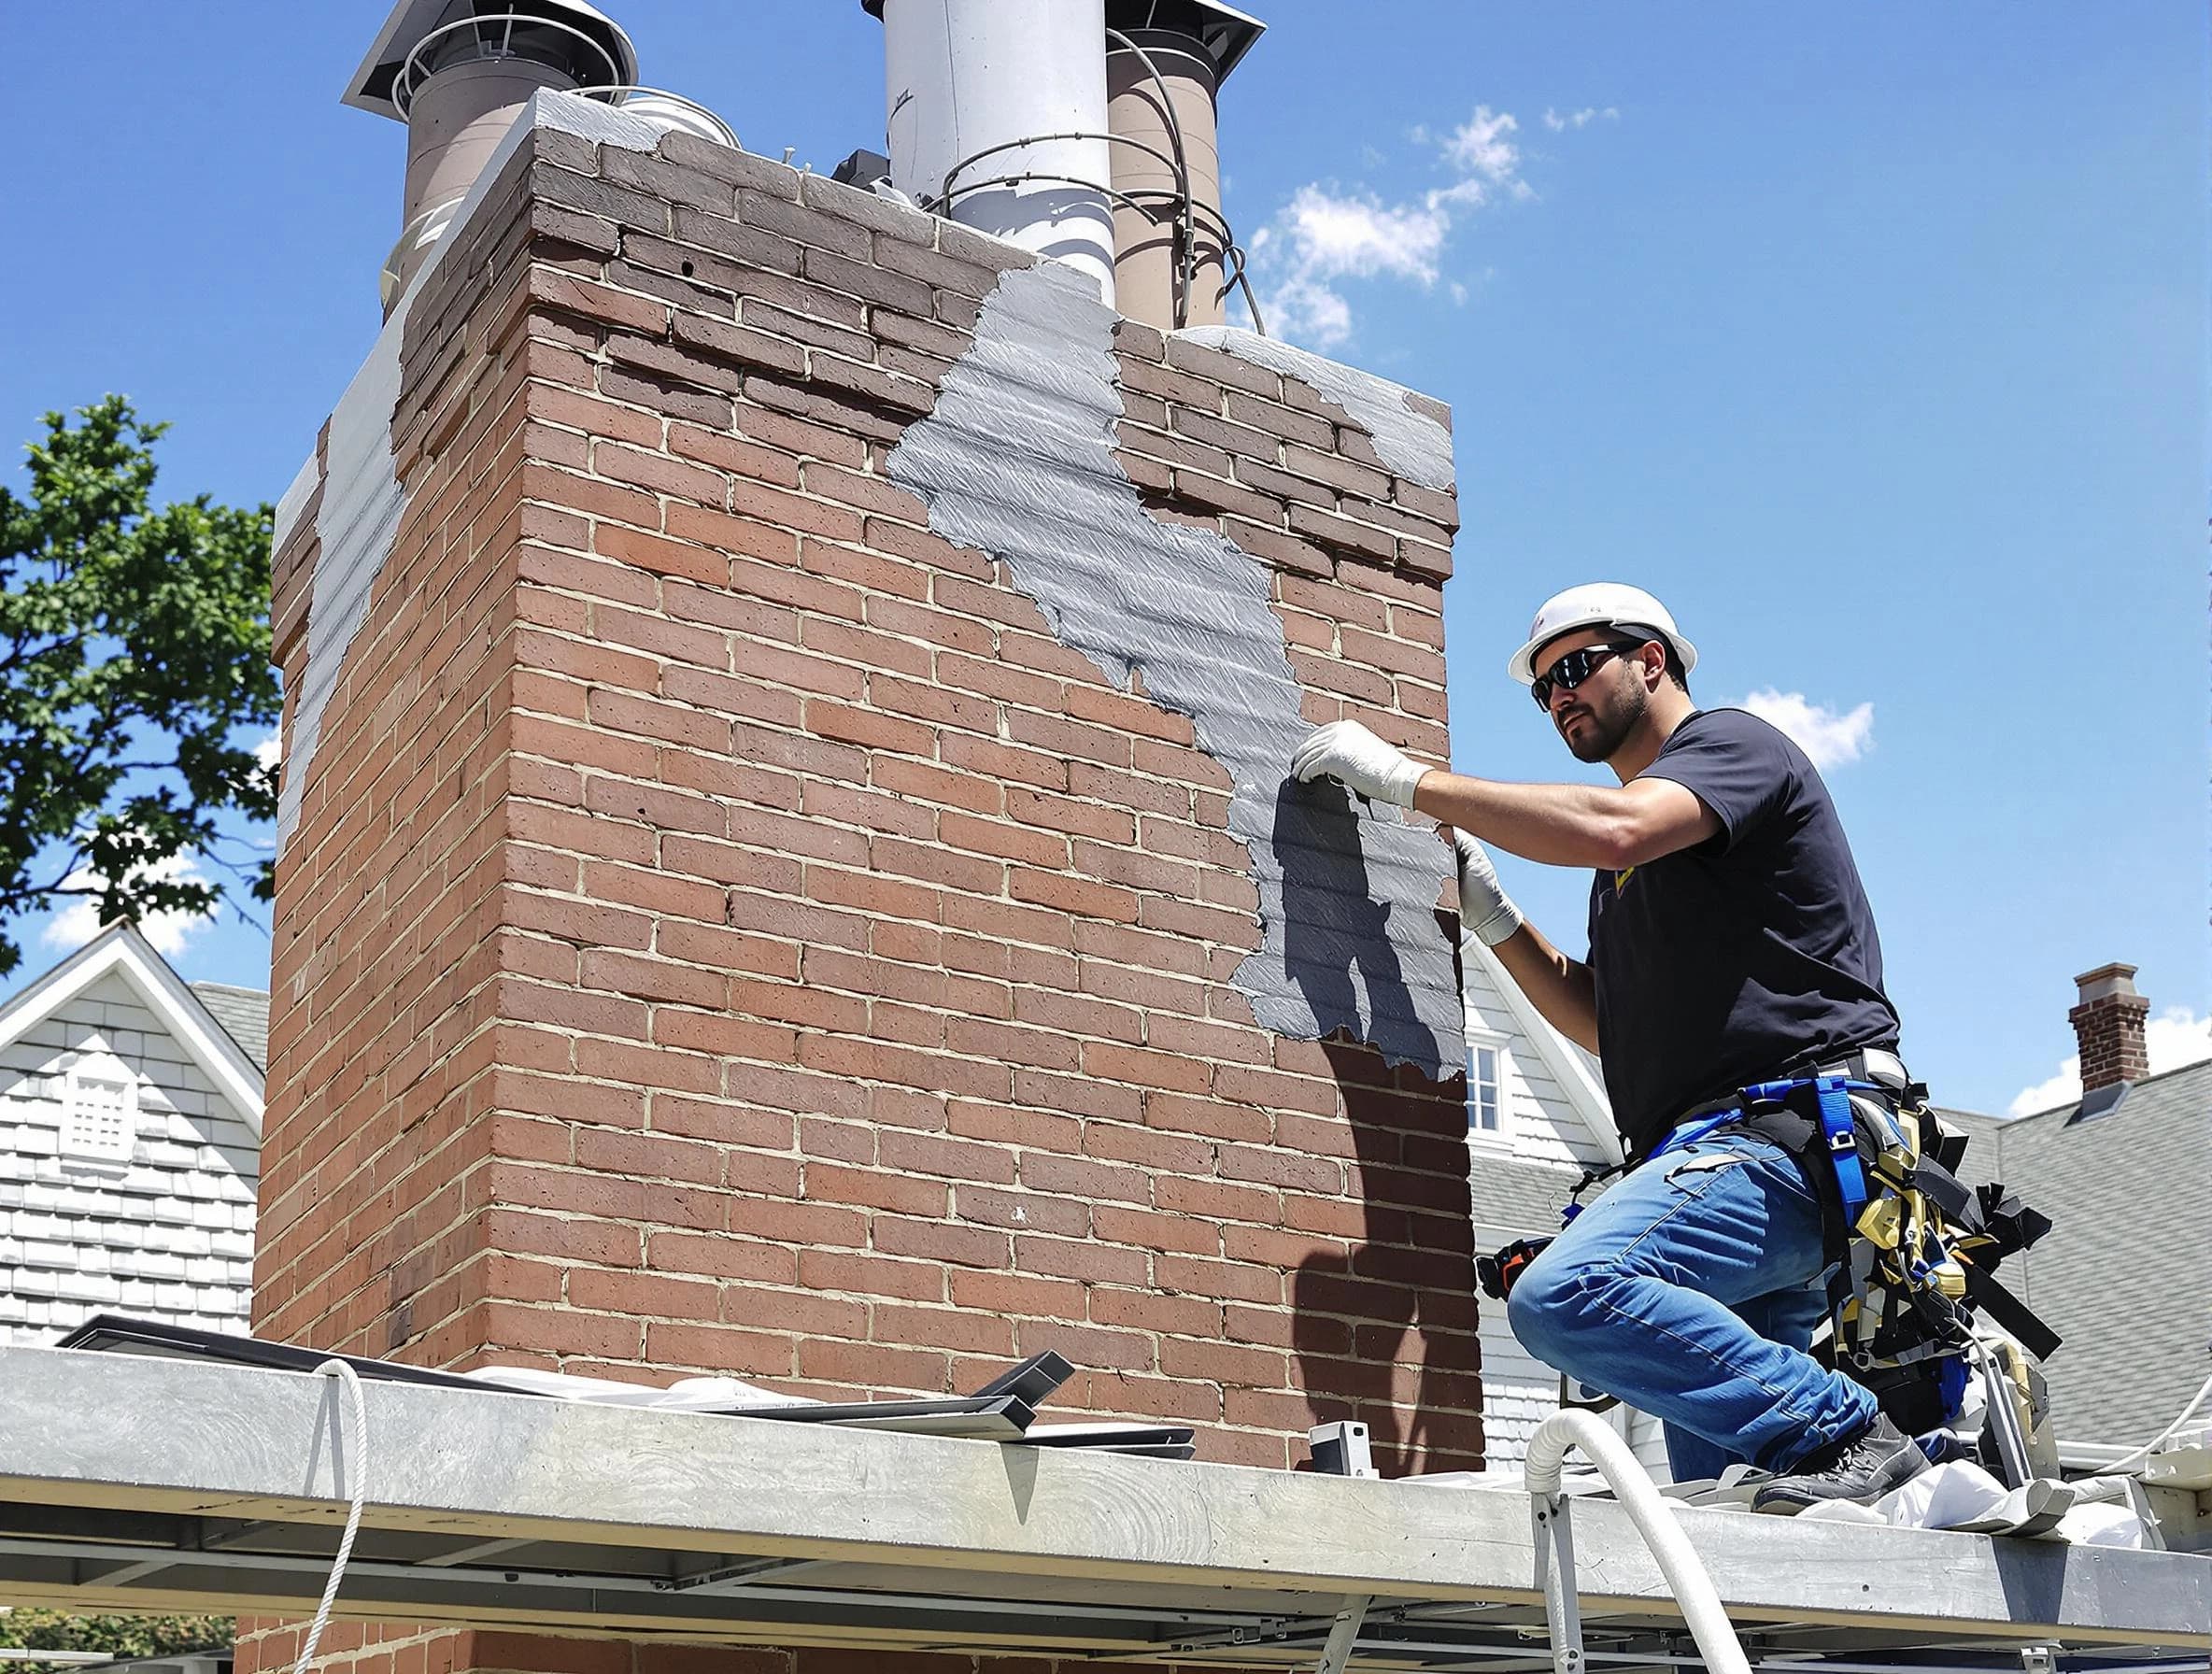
[1913,1248]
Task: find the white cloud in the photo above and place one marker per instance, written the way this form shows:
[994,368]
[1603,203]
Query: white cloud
[1325,235]
[1336,236]
[80,921]
[2173,1040]
[1832,740]
[269,752]
[1560,121]
[1483,149]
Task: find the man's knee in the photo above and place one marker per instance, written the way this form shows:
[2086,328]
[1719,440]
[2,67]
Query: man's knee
[1545,1309]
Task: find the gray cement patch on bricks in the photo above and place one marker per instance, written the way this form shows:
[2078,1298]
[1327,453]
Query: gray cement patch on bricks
[1018,461]
[363,498]
[1410,442]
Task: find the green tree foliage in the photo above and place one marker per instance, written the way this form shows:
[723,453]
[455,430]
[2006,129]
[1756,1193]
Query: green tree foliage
[118,1635]
[134,645]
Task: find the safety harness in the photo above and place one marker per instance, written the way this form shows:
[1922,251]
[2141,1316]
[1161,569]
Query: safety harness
[1912,1248]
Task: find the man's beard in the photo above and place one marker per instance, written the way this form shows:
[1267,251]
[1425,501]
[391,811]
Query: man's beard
[1608,728]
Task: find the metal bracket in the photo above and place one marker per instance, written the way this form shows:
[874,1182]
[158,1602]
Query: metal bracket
[1341,1449]
[2038,1659]
[1555,1539]
[1343,1633]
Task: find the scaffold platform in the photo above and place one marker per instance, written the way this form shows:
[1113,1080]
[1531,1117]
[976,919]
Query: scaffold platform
[132,1483]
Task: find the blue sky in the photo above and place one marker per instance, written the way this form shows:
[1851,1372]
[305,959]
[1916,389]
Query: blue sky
[1871,338]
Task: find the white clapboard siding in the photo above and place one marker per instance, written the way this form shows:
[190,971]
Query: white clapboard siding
[164,1230]
[1555,1124]
[1543,1121]
[1520,1392]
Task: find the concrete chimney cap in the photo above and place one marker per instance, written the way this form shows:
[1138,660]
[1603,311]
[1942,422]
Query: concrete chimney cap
[2107,981]
[1225,32]
[371,88]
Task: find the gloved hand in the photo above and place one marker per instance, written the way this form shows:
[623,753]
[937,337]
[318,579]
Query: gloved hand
[1354,757]
[1483,907]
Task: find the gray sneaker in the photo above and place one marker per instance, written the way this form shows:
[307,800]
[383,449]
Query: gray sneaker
[1861,1470]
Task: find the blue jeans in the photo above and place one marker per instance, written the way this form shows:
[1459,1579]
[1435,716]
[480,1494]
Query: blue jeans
[1691,1291]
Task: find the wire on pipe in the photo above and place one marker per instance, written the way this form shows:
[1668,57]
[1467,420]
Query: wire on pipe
[1186,235]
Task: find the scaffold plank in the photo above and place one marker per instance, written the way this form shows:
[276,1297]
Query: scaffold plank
[141,1483]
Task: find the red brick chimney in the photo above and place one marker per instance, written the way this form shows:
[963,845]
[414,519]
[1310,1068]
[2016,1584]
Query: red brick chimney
[2108,1023]
[725,924]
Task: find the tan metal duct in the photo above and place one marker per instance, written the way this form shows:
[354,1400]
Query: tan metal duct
[457,72]
[1165,62]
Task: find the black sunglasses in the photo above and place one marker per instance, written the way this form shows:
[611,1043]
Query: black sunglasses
[1574,668]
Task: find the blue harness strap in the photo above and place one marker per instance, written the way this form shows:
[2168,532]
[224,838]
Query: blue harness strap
[1834,1096]
[1843,1145]
[1689,1133]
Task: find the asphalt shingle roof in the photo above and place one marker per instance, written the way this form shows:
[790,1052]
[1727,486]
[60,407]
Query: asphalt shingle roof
[1516,1196]
[2125,1274]
[244,1014]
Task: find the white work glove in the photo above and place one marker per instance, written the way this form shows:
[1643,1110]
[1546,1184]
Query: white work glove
[1350,754]
[1483,907]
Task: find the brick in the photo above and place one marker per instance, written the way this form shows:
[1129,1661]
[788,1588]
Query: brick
[603,199]
[728,453]
[1342,535]
[552,288]
[867,282]
[725,163]
[812,850]
[1197,394]
[864,208]
[870,384]
[566,226]
[734,345]
[872,1367]
[1279,421]
[748,246]
[1204,424]
[1134,337]
[797,436]
[937,268]
[924,335]
[1071,1259]
[664,395]
[674,182]
[760,314]
[824,406]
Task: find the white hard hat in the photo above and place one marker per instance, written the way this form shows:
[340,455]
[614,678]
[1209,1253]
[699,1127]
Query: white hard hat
[1598,605]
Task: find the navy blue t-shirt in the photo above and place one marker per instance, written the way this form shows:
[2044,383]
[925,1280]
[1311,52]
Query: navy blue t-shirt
[1745,958]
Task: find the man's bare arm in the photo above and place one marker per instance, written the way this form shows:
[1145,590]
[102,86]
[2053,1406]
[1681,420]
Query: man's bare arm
[1561,989]
[1607,826]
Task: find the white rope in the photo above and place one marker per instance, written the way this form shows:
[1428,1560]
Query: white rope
[359,1475]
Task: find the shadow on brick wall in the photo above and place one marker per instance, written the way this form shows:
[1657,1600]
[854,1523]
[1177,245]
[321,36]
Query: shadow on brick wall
[1383,1332]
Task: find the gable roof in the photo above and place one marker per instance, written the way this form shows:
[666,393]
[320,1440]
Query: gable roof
[121,950]
[244,1014]
[2125,1274]
[1574,1070]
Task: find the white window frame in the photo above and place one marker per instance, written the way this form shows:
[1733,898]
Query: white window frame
[108,1134]
[1499,1130]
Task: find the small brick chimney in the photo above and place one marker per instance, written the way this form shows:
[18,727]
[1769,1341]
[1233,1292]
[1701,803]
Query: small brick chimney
[2108,1023]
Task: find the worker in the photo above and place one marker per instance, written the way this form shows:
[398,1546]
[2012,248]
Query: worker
[1730,944]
